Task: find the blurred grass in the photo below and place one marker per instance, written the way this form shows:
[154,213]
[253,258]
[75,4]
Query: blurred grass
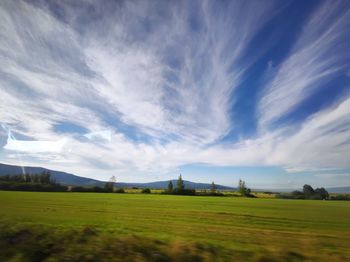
[228,227]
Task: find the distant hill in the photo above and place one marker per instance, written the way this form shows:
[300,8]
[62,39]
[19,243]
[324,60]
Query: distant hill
[164,184]
[70,179]
[61,177]
[339,190]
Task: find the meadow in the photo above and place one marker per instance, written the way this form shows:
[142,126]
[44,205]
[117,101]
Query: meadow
[38,226]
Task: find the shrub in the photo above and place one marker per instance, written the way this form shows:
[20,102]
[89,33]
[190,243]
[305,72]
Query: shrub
[210,194]
[120,190]
[95,189]
[187,192]
[340,197]
[146,191]
[307,193]
[290,196]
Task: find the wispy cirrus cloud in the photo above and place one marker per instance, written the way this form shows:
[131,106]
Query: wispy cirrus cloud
[319,55]
[177,88]
[178,79]
[322,142]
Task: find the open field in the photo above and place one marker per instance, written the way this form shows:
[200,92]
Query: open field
[80,226]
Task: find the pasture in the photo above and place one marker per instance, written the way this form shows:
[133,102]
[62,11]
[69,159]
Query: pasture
[99,226]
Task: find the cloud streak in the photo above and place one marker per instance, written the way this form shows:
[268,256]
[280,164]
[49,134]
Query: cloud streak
[319,55]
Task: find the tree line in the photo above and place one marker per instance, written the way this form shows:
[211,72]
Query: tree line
[42,178]
[31,182]
[307,193]
[181,190]
[45,182]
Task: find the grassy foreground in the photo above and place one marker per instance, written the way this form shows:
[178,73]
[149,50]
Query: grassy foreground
[134,227]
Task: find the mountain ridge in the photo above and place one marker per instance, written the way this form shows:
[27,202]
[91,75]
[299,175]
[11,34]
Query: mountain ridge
[74,180]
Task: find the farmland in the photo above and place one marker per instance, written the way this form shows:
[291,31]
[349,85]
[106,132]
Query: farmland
[164,227]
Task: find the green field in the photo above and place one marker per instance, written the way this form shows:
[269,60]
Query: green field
[91,226]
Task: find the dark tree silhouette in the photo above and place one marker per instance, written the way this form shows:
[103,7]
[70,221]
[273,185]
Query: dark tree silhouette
[322,193]
[308,190]
[146,191]
[170,186]
[243,189]
[212,187]
[180,185]
[109,186]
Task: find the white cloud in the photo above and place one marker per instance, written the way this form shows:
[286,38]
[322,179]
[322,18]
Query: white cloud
[323,141]
[34,146]
[167,78]
[320,54]
[163,81]
[188,98]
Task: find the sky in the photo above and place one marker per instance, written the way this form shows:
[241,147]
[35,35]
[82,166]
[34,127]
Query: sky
[146,90]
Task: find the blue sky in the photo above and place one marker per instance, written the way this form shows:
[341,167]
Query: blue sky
[144,90]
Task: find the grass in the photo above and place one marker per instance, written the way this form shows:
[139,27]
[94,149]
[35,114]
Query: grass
[174,227]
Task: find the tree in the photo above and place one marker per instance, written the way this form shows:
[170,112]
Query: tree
[297,193]
[113,179]
[35,178]
[308,190]
[45,177]
[170,186]
[212,187]
[109,186]
[242,189]
[27,178]
[146,191]
[322,193]
[180,184]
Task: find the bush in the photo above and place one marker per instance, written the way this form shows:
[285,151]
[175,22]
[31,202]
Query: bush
[94,189]
[340,197]
[210,194]
[78,189]
[315,197]
[290,196]
[120,190]
[98,189]
[307,193]
[297,193]
[146,191]
[186,192]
